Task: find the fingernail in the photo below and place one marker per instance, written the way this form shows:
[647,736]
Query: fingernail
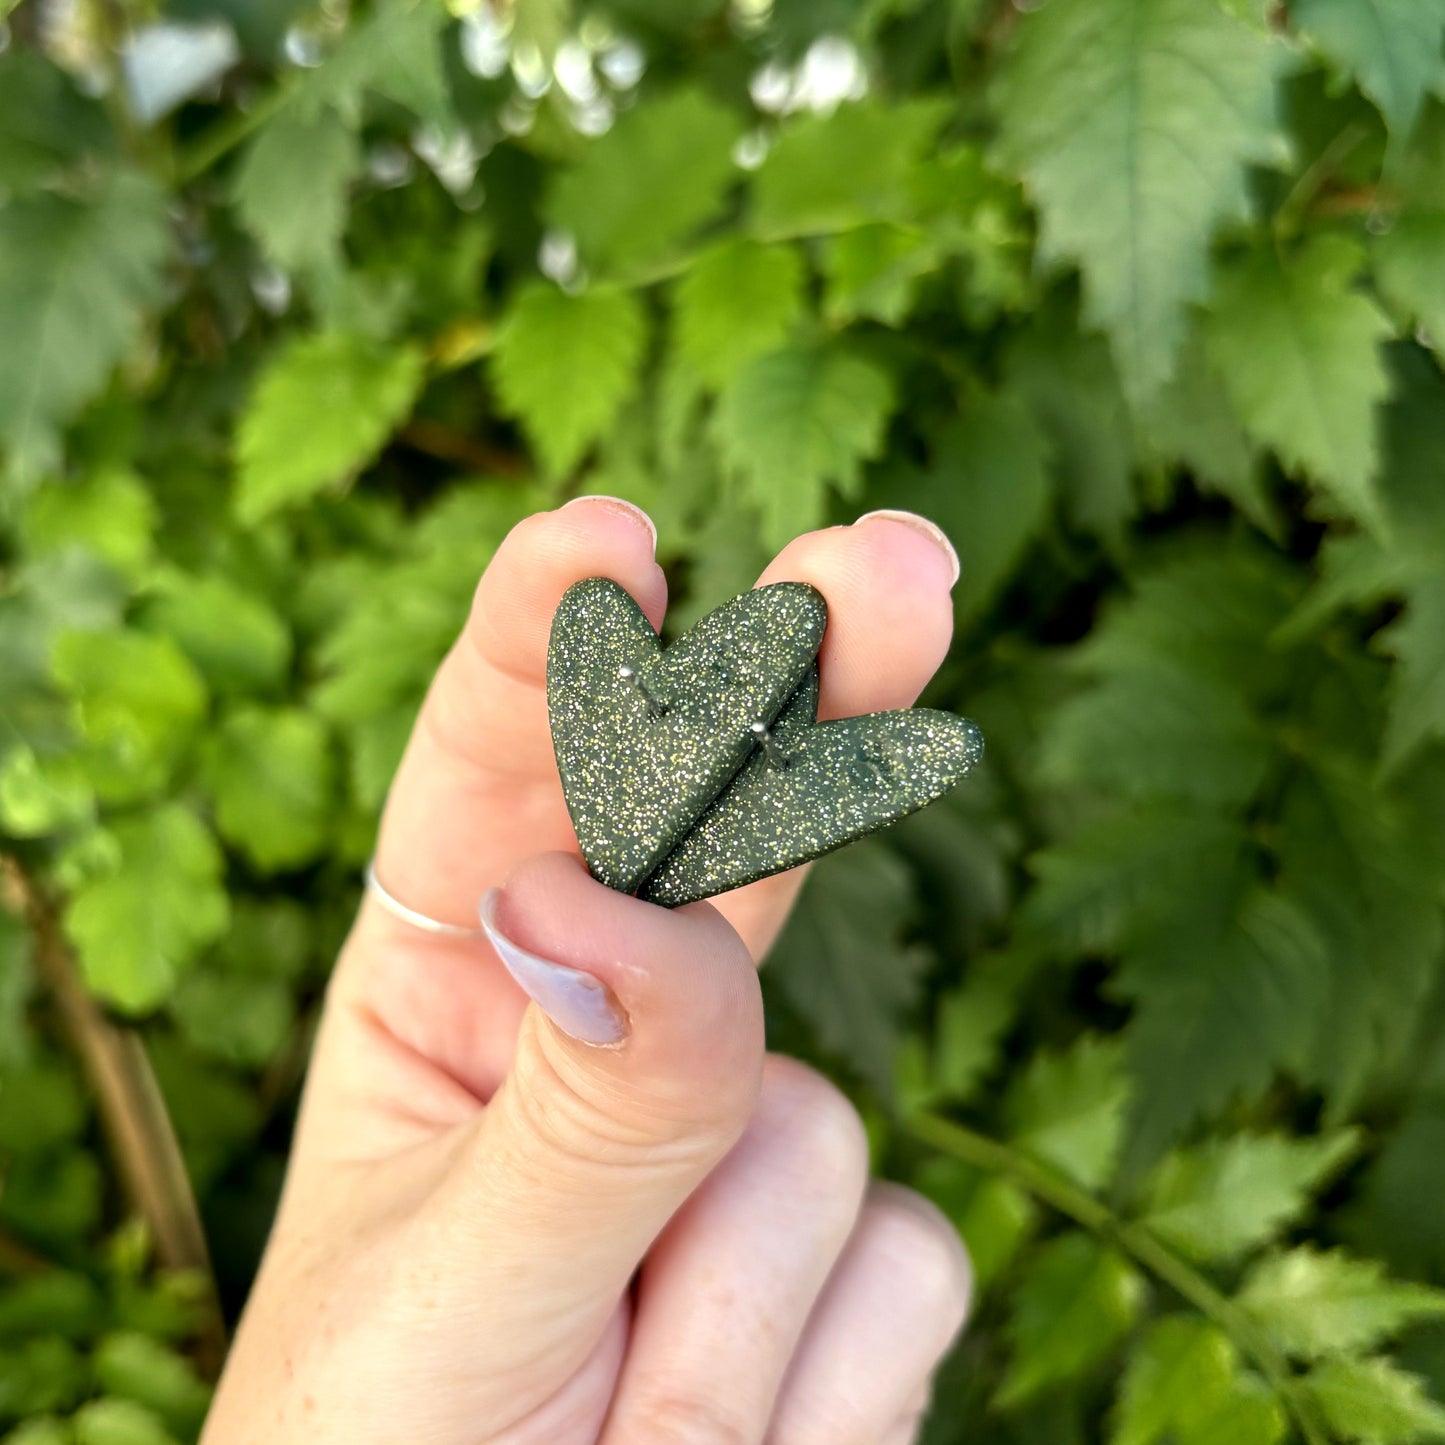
[931,530]
[620,504]
[581,1006]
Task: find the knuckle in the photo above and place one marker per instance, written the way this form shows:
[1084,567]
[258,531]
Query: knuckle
[687,1419]
[921,1251]
[827,1143]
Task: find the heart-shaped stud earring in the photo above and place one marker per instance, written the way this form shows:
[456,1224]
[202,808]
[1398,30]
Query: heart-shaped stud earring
[812,787]
[647,738]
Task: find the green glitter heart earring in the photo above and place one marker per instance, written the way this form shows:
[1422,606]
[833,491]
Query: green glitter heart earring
[692,770]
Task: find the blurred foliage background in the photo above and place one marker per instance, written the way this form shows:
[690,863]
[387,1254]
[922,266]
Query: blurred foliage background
[301,308]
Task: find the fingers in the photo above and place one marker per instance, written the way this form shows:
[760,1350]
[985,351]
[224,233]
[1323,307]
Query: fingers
[887,580]
[726,1291]
[477,790]
[634,1075]
[892,1307]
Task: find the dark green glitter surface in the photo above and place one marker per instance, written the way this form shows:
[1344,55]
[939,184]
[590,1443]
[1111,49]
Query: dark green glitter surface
[637,776]
[841,780]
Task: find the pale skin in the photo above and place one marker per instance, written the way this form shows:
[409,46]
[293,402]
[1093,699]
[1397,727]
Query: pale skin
[496,1233]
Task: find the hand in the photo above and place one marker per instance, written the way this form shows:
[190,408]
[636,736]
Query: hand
[608,1217]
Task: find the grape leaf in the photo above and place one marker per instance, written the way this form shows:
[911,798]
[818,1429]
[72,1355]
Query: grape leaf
[1373,1401]
[1133,123]
[139,928]
[78,278]
[1314,1303]
[649,182]
[737,301]
[1075,1302]
[320,411]
[1395,49]
[394,50]
[1223,1197]
[563,365]
[272,777]
[793,422]
[297,153]
[841,961]
[1299,352]
[1068,1109]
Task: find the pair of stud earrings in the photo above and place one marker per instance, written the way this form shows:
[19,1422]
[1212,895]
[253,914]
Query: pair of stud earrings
[776,757]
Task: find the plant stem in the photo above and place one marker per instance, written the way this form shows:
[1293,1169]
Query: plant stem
[132,1108]
[222,138]
[1135,1240]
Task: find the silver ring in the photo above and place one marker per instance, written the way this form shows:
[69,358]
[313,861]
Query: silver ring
[398,909]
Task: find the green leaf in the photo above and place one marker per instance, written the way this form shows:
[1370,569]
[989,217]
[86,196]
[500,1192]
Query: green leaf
[832,172]
[138,701]
[1314,1303]
[43,1430]
[1220,1004]
[1073,1305]
[842,962]
[1395,49]
[239,1019]
[1133,124]
[1373,1401]
[135,1367]
[46,125]
[794,422]
[971,1022]
[43,794]
[1181,1365]
[1069,383]
[41,1108]
[237,640]
[1417,700]
[294,154]
[109,513]
[1068,1109]
[1110,881]
[78,279]
[649,182]
[139,928]
[736,302]
[272,776]
[119,1422]
[1169,735]
[989,488]
[1299,352]
[874,271]
[564,365]
[321,411]
[1407,253]
[1224,1197]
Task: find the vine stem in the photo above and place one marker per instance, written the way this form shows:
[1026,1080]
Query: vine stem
[132,1109]
[1145,1247]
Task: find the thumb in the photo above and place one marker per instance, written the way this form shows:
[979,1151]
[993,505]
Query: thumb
[634,1074]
